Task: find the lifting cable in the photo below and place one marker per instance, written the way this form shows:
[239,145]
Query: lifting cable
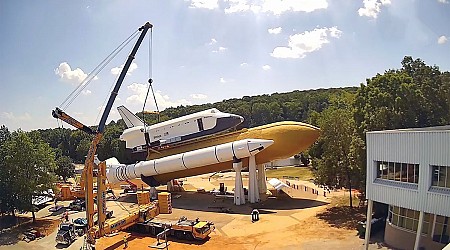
[150,81]
[77,91]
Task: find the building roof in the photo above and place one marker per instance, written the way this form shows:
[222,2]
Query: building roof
[425,129]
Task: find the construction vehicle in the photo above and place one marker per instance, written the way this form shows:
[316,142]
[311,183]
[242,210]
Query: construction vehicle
[66,233]
[139,214]
[87,183]
[182,229]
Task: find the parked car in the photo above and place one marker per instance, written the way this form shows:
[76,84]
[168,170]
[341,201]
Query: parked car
[80,226]
[78,204]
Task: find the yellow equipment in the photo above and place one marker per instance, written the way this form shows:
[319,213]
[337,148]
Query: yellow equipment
[139,214]
[183,229]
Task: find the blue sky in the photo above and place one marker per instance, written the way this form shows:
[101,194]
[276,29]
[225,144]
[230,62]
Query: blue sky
[204,50]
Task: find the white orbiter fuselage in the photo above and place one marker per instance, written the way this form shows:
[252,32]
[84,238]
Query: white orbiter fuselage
[203,123]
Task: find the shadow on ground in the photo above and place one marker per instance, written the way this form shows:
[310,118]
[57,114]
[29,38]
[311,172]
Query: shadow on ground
[343,216]
[14,235]
[209,203]
[378,239]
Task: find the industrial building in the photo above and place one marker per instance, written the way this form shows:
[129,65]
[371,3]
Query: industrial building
[409,171]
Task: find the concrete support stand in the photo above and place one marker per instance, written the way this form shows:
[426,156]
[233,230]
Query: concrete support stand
[368,224]
[253,192]
[419,231]
[239,196]
[262,179]
[170,186]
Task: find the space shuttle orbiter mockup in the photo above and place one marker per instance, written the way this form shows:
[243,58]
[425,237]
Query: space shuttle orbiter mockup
[185,128]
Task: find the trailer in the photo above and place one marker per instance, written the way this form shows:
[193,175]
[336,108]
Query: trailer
[183,228]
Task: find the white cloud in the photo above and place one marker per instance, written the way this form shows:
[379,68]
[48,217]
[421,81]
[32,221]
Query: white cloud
[443,1]
[335,32]
[276,7]
[86,92]
[117,70]
[244,64]
[204,4]
[222,80]
[301,44]
[275,30]
[372,7]
[16,118]
[139,91]
[213,41]
[237,6]
[75,77]
[199,96]
[442,39]
[220,50]
[266,67]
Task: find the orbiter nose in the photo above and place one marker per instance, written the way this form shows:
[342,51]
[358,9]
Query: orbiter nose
[237,118]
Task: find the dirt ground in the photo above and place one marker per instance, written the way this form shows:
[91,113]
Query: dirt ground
[297,218]
[286,222]
[13,235]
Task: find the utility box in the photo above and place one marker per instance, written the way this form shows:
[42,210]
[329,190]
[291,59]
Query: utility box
[165,203]
[143,197]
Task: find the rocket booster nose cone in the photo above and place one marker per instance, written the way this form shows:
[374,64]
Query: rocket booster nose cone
[257,145]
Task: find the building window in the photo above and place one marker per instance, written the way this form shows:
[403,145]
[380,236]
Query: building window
[408,219]
[395,171]
[441,230]
[441,176]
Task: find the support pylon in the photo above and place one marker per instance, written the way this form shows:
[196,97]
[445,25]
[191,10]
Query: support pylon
[262,179]
[239,196]
[253,192]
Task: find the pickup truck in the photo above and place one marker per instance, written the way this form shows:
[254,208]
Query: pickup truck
[66,233]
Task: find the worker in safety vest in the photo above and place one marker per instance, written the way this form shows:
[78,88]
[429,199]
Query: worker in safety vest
[125,241]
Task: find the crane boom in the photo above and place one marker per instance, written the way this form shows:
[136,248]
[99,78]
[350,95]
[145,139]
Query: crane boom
[112,97]
[89,163]
[59,114]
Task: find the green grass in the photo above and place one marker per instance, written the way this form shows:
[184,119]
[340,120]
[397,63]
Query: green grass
[303,173]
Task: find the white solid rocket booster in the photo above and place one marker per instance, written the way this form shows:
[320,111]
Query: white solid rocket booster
[188,160]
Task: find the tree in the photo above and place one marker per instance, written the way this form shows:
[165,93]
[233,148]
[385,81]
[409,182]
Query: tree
[29,164]
[64,168]
[416,95]
[340,163]
[5,188]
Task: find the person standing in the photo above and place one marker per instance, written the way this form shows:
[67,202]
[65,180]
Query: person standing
[125,242]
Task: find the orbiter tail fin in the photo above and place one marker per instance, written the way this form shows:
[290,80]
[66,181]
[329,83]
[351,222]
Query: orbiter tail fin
[130,119]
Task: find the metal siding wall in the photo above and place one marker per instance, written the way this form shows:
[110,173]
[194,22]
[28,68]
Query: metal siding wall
[419,147]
